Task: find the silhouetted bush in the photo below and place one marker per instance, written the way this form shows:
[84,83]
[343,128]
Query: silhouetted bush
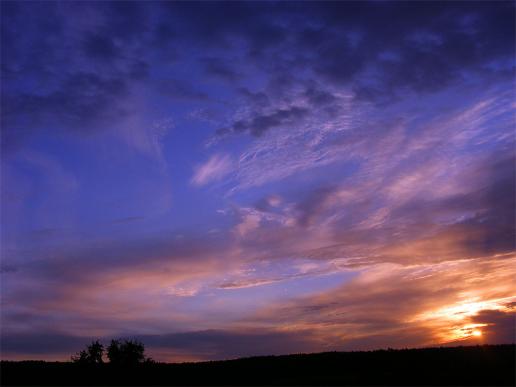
[127,352]
[91,355]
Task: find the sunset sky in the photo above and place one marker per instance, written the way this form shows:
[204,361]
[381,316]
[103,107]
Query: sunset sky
[250,178]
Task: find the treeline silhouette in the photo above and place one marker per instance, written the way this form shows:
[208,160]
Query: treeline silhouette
[119,352]
[487,365]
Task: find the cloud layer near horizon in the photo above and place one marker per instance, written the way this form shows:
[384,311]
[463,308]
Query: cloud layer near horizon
[234,179]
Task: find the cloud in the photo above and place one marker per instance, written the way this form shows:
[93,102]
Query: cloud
[83,98]
[196,345]
[220,68]
[344,144]
[385,306]
[247,283]
[250,221]
[499,325]
[84,72]
[260,123]
[388,305]
[331,47]
[180,89]
[99,46]
[224,344]
[217,167]
[268,203]
[362,219]
[128,219]
[37,344]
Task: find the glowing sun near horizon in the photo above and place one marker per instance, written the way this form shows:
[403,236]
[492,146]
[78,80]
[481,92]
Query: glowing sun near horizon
[228,179]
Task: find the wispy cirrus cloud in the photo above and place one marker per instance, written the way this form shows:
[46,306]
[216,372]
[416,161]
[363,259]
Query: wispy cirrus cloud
[217,167]
[358,197]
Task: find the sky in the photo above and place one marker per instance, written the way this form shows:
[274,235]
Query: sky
[227,179]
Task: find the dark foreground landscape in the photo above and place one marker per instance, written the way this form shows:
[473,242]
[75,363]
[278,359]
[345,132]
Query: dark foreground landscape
[486,365]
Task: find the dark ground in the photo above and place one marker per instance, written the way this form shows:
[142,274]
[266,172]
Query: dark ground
[487,365]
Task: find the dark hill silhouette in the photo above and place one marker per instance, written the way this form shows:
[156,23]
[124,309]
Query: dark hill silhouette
[486,365]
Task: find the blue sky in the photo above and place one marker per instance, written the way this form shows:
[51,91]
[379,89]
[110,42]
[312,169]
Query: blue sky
[282,176]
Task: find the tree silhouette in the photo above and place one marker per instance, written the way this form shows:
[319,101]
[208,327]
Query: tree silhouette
[127,352]
[91,355]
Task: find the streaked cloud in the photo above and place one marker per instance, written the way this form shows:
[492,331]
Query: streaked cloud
[252,178]
[214,169]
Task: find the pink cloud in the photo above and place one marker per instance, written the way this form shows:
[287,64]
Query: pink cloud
[389,305]
[217,167]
